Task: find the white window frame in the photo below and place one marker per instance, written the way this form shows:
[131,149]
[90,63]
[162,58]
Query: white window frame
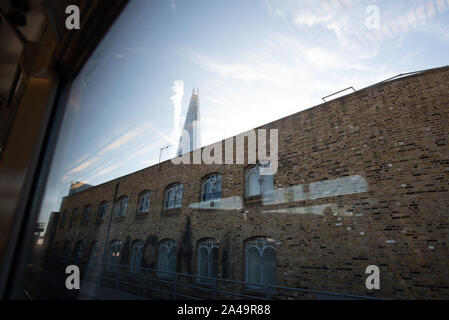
[135,264]
[93,253]
[122,205]
[261,244]
[102,209]
[73,217]
[170,245]
[113,254]
[86,212]
[78,252]
[213,180]
[255,169]
[66,252]
[177,190]
[209,245]
[144,202]
[63,219]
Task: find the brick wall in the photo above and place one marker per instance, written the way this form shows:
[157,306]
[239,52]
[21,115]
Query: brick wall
[362,179]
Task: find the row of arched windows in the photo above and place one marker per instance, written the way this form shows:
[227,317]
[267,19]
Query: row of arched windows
[256,184]
[260,259]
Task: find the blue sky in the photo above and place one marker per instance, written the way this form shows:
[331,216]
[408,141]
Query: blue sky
[254,61]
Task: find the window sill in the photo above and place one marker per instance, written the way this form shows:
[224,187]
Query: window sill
[258,199]
[254,199]
[171,212]
[141,215]
[205,283]
[259,290]
[119,219]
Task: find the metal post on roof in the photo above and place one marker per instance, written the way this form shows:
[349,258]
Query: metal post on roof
[337,92]
[160,152]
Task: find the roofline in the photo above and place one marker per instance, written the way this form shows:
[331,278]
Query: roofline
[398,77]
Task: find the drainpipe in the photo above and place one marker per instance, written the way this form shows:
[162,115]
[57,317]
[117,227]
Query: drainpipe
[110,222]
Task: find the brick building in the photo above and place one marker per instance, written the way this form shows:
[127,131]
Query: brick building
[362,180]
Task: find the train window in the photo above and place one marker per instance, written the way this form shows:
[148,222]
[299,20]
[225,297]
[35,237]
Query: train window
[229,149]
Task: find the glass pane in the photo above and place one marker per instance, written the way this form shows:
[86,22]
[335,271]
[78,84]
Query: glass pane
[267,186]
[269,266]
[254,261]
[172,260]
[254,184]
[204,262]
[214,263]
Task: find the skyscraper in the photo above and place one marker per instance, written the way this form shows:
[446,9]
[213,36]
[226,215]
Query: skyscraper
[190,137]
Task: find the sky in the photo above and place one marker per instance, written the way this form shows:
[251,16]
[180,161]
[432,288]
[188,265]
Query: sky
[254,61]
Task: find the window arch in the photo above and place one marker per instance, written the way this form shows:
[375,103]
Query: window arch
[54,253]
[167,258]
[257,183]
[74,217]
[122,204]
[144,202]
[211,187]
[173,196]
[136,256]
[86,213]
[65,253]
[93,253]
[102,210]
[113,254]
[260,256]
[63,220]
[78,252]
[207,260]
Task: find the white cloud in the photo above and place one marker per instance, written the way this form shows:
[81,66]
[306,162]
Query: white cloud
[84,165]
[310,19]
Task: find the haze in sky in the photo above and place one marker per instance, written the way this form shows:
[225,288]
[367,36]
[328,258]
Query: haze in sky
[254,61]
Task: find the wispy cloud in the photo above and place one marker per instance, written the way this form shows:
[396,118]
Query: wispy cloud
[84,165]
[176,99]
[120,141]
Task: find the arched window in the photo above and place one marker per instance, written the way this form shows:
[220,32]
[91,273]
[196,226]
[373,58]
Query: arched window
[136,256]
[78,252]
[258,183]
[65,253]
[113,254]
[86,213]
[93,254]
[63,219]
[173,196]
[144,202]
[102,210]
[207,260]
[211,187]
[260,256]
[74,217]
[167,259]
[54,254]
[122,204]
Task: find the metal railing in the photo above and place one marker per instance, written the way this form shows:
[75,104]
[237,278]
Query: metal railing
[101,280]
